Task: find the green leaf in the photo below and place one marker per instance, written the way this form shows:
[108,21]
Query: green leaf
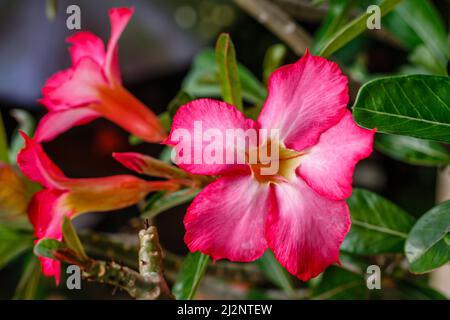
[409,290]
[47,247]
[354,28]
[378,225]
[426,248]
[180,99]
[340,284]
[29,281]
[13,243]
[276,273]
[336,17]
[273,59]
[27,124]
[191,272]
[228,71]
[161,201]
[3,142]
[72,240]
[412,150]
[417,106]
[426,23]
[203,80]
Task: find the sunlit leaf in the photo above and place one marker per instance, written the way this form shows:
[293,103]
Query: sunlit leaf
[273,59]
[230,83]
[353,29]
[27,124]
[71,239]
[203,80]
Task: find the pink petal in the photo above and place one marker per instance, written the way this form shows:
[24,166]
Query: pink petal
[119,18]
[304,229]
[56,122]
[82,87]
[86,44]
[46,214]
[328,166]
[35,164]
[226,220]
[211,114]
[53,83]
[305,99]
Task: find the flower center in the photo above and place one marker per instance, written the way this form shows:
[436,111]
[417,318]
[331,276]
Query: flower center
[274,163]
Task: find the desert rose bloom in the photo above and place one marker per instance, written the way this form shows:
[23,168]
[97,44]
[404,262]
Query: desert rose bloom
[92,88]
[299,212]
[63,196]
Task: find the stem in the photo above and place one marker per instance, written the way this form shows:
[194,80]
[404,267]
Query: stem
[150,259]
[279,22]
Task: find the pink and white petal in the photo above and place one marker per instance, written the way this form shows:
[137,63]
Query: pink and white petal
[226,220]
[55,123]
[86,44]
[305,99]
[328,166]
[203,116]
[305,229]
[36,165]
[46,215]
[82,87]
[119,18]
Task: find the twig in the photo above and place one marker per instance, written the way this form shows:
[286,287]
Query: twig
[150,259]
[279,22]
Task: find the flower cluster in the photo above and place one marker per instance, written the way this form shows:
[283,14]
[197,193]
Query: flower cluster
[298,210]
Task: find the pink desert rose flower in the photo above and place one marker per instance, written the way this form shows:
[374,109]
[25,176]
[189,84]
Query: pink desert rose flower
[63,196]
[92,88]
[300,212]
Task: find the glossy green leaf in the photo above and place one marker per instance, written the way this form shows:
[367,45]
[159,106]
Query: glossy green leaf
[162,201]
[412,150]
[229,80]
[13,243]
[28,286]
[72,240]
[203,80]
[47,247]
[378,225]
[190,275]
[425,22]
[273,59]
[417,105]
[276,273]
[337,16]
[354,28]
[340,284]
[3,142]
[27,124]
[426,248]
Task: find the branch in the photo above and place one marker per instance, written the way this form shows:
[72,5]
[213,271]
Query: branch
[150,259]
[279,22]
